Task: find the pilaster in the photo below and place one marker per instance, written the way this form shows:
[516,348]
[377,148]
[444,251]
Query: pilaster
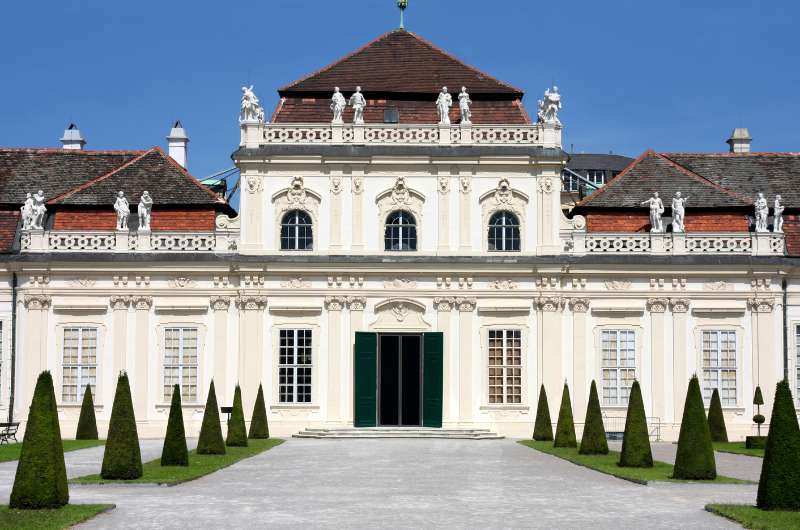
[34,348]
[219,307]
[141,359]
[443,211]
[466,310]
[658,369]
[549,313]
[465,211]
[450,395]
[357,189]
[357,306]
[581,372]
[680,356]
[119,323]
[765,366]
[334,306]
[251,348]
[252,209]
[336,186]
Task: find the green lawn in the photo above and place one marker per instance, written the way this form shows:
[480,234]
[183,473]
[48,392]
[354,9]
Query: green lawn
[661,471]
[199,465]
[752,517]
[65,517]
[737,448]
[10,452]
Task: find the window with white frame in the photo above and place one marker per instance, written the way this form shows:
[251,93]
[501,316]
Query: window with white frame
[79,366]
[180,362]
[719,366]
[505,366]
[619,365]
[294,366]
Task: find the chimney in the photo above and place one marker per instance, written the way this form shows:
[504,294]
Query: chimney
[72,138]
[740,140]
[178,143]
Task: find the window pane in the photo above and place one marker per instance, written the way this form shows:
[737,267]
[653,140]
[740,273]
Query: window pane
[79,362]
[294,365]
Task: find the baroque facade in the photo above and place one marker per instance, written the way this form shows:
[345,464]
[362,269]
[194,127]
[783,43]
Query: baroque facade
[408,270]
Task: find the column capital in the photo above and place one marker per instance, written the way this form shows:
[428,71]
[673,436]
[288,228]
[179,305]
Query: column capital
[335,303]
[37,301]
[142,302]
[679,305]
[466,305]
[220,303]
[119,303]
[444,304]
[658,305]
[549,304]
[251,302]
[356,303]
[579,305]
[761,305]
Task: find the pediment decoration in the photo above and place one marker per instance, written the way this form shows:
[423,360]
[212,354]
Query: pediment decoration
[400,197]
[296,197]
[503,197]
[400,314]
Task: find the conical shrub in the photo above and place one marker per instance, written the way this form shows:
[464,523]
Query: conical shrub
[237,431]
[122,459]
[695,458]
[543,428]
[87,423]
[259,428]
[210,441]
[41,479]
[780,471]
[175,452]
[716,421]
[636,440]
[565,429]
[593,441]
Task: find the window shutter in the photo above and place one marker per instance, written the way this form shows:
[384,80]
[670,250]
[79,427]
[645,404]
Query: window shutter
[365,379]
[432,374]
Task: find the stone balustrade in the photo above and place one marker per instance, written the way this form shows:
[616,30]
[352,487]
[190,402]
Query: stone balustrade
[541,135]
[222,241]
[748,243]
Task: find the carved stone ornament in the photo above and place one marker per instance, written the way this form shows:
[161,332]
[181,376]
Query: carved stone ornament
[400,311]
[400,283]
[82,282]
[761,305]
[181,282]
[679,305]
[503,193]
[296,194]
[549,303]
[401,196]
[617,285]
[335,303]
[37,301]
[578,222]
[465,184]
[503,285]
[657,305]
[444,304]
[253,184]
[546,185]
[444,185]
[220,303]
[718,286]
[251,302]
[465,305]
[356,303]
[119,303]
[142,302]
[296,283]
[579,305]
[357,185]
[336,185]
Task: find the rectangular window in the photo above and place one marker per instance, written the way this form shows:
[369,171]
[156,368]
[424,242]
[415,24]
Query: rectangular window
[79,363]
[180,362]
[596,176]
[294,366]
[619,365]
[505,366]
[569,182]
[719,366]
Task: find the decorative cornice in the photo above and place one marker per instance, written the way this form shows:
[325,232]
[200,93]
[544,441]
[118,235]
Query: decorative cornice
[119,303]
[251,302]
[679,305]
[220,303]
[142,302]
[657,305]
[37,301]
[579,305]
[549,303]
[761,305]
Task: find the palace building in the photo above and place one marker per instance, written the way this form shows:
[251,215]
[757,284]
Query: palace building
[412,269]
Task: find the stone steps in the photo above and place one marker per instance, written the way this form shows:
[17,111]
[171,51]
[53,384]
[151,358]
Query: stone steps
[397,432]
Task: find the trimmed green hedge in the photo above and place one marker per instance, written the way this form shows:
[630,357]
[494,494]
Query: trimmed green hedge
[636,440]
[259,427]
[543,428]
[87,423]
[210,441]
[175,452]
[780,473]
[695,458]
[122,459]
[565,429]
[716,421]
[593,441]
[237,430]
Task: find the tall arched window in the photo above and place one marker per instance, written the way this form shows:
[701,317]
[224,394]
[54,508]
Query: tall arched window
[401,231]
[504,232]
[297,231]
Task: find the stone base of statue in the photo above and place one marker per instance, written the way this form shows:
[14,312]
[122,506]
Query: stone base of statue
[36,238]
[252,133]
[143,239]
[466,132]
[445,134]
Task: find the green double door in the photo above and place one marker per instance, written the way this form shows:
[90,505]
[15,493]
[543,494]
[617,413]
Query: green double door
[398,379]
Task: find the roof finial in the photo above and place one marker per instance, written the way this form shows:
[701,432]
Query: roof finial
[402,4]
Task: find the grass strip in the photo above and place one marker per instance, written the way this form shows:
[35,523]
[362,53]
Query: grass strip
[752,517]
[661,471]
[737,448]
[199,466]
[9,452]
[65,517]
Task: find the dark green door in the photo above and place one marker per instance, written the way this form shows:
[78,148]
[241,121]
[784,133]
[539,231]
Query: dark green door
[433,344]
[365,379]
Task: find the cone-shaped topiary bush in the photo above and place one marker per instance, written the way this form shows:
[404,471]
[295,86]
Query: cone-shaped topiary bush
[237,431]
[543,428]
[593,441]
[716,421]
[87,423]
[695,458]
[636,440]
[41,479]
[175,452]
[122,459]
[565,429]
[210,441]
[758,399]
[259,428]
[780,472]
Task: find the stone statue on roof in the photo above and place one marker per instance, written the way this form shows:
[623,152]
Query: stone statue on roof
[656,210]
[777,220]
[251,110]
[549,107]
[463,104]
[762,212]
[678,212]
[338,104]
[27,212]
[145,210]
[123,210]
[359,103]
[39,210]
[443,104]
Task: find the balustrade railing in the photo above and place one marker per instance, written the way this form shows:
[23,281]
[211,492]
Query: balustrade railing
[119,241]
[747,243]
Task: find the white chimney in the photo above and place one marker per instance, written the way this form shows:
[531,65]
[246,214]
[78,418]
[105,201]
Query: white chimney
[178,143]
[740,140]
[72,138]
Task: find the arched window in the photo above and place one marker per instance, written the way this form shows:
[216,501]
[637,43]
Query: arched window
[297,231]
[504,232]
[401,231]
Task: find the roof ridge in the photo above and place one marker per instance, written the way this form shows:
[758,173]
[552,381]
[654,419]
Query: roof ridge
[703,179]
[56,200]
[726,154]
[73,151]
[616,179]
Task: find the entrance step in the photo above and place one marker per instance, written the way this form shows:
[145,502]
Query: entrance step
[398,432]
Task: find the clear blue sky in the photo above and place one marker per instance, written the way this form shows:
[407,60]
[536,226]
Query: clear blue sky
[671,75]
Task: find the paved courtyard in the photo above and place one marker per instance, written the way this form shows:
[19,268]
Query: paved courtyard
[398,483]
